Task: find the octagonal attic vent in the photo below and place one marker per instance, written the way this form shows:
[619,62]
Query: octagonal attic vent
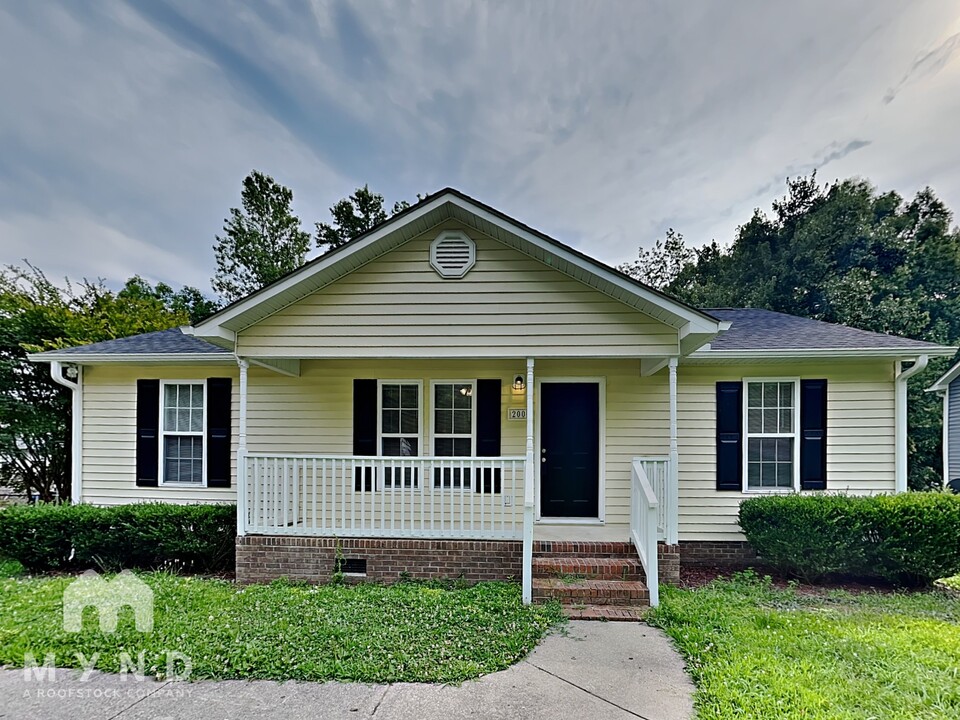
[452,254]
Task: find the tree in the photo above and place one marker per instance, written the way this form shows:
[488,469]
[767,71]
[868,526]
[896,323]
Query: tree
[660,266]
[261,242]
[37,315]
[186,301]
[355,215]
[842,253]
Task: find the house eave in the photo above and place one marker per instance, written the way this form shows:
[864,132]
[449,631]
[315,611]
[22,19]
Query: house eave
[141,358]
[451,205]
[943,382]
[722,356]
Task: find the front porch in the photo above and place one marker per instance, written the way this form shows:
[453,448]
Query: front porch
[401,511]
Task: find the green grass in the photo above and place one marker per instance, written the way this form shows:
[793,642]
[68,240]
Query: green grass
[407,632]
[758,652]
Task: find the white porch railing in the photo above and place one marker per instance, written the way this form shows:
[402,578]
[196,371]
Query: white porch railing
[657,470]
[410,497]
[644,511]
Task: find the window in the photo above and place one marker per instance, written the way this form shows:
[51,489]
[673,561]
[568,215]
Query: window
[771,433]
[453,429]
[182,421]
[400,427]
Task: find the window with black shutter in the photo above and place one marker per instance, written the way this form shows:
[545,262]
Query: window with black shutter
[184,432]
[772,435]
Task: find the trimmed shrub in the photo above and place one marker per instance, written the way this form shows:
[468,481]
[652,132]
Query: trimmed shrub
[908,539]
[148,536]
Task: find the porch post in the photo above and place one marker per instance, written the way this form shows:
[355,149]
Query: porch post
[242,451]
[673,484]
[529,472]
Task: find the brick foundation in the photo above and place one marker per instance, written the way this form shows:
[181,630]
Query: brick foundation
[262,558]
[726,554]
[668,562]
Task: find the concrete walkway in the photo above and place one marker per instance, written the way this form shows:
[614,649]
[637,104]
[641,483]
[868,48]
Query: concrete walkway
[594,671]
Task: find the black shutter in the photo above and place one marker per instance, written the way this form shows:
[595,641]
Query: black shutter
[488,433]
[813,434]
[364,428]
[729,436]
[148,432]
[219,392]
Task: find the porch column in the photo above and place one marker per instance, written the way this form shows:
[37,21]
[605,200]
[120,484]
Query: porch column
[673,480]
[529,472]
[242,451]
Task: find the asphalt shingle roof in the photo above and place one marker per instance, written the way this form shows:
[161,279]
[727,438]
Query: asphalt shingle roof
[753,329]
[750,329]
[162,342]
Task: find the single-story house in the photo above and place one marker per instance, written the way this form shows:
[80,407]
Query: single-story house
[949,388]
[455,393]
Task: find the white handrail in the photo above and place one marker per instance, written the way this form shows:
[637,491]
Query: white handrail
[477,498]
[644,509]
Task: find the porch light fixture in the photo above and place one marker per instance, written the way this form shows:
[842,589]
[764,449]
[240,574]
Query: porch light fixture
[466,391]
[519,384]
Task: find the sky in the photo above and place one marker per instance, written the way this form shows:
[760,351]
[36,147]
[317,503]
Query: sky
[126,128]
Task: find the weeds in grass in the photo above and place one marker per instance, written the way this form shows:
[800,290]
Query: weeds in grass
[757,651]
[423,632]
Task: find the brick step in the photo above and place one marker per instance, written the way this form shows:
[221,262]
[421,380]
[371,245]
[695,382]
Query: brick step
[567,548]
[591,592]
[552,566]
[605,613]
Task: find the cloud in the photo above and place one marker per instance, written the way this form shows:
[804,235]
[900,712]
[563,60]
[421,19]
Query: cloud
[600,123]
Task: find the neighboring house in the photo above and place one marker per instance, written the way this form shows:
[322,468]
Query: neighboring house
[949,388]
[456,393]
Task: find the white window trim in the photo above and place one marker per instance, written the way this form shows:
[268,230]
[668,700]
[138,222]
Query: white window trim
[473,424]
[164,433]
[420,413]
[795,434]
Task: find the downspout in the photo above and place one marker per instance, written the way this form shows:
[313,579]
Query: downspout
[946,436]
[900,412]
[76,424]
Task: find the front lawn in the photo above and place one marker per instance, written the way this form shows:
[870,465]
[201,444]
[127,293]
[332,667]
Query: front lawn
[368,633]
[759,652]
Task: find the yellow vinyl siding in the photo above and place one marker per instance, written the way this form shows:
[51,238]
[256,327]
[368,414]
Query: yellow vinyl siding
[507,305]
[860,436]
[313,414]
[110,434]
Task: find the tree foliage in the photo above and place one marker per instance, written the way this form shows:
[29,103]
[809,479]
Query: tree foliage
[261,242]
[353,216]
[36,315]
[842,253]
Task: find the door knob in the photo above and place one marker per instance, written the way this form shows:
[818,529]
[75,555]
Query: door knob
[543,459]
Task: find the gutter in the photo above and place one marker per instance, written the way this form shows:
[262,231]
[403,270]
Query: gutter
[900,412]
[76,424]
[223,358]
[801,354]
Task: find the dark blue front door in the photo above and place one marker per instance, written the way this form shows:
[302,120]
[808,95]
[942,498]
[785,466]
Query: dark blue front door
[569,449]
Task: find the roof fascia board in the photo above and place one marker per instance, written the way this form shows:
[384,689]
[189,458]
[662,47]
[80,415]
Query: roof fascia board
[210,326]
[702,322]
[944,380]
[683,314]
[146,358]
[892,353]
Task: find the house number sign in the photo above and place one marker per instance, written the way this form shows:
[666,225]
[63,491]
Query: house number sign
[516,413]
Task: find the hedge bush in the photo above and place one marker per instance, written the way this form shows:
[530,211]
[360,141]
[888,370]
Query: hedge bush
[149,536]
[907,539]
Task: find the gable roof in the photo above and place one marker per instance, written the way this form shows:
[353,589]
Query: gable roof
[162,345]
[695,326]
[754,331]
[943,382]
